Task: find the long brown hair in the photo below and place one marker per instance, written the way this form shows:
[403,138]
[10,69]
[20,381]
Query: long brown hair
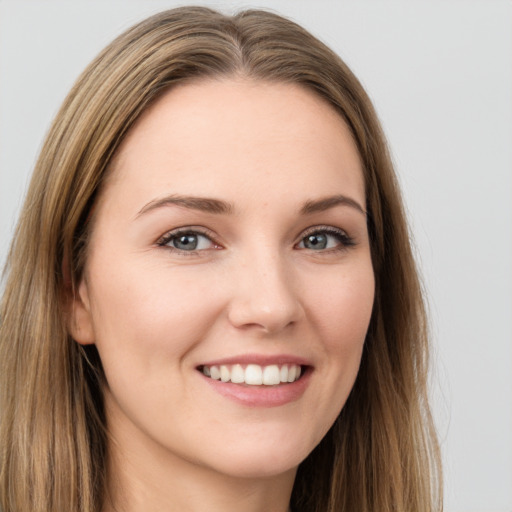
[381,454]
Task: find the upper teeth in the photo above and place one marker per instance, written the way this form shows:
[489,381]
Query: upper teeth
[254,374]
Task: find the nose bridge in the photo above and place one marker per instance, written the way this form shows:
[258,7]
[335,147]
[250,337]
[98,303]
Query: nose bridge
[264,293]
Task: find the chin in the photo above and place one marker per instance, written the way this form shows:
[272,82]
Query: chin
[263,458]
[258,468]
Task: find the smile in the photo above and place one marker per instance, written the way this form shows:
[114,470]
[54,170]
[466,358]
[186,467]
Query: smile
[254,374]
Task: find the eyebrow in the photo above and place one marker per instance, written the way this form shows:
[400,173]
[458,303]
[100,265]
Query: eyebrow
[203,204]
[326,203]
[217,206]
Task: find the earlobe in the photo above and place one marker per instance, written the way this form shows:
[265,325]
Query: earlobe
[80,324]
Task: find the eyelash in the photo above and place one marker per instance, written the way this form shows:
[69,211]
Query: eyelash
[345,241]
[172,235]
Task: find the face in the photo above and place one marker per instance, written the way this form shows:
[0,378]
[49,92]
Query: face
[229,285]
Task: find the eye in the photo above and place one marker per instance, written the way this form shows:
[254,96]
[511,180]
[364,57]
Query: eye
[187,241]
[321,239]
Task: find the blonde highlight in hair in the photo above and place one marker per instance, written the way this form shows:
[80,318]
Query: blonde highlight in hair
[381,454]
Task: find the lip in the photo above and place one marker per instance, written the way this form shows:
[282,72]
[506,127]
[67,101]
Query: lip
[260,359]
[260,396]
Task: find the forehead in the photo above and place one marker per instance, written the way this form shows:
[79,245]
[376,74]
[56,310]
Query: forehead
[222,137]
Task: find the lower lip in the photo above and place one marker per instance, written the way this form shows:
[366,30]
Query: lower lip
[262,396]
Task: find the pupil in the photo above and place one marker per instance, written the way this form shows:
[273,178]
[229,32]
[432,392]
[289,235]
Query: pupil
[186,242]
[316,242]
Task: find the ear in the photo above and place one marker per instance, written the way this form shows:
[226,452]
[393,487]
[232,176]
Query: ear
[80,324]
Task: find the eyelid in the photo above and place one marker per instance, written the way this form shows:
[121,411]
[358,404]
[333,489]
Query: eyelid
[323,227]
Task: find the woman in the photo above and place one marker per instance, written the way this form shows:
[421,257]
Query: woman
[211,301]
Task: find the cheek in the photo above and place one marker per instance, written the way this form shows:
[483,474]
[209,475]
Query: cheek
[342,307]
[146,317]
[339,308]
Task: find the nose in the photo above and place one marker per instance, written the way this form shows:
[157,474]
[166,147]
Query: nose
[265,296]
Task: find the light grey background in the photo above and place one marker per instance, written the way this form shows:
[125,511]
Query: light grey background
[440,75]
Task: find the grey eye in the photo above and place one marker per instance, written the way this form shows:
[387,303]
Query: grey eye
[185,242]
[325,239]
[316,241]
[189,242]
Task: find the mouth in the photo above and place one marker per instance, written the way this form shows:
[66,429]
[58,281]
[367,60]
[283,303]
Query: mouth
[258,380]
[255,374]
